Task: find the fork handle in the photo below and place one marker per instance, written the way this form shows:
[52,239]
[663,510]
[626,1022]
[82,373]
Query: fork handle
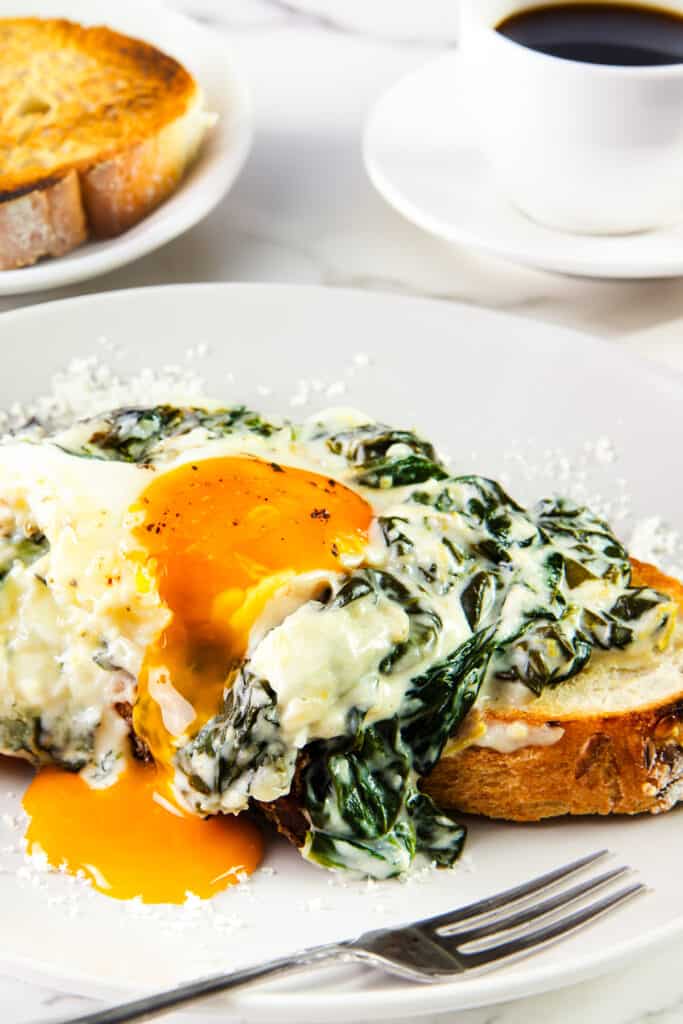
[149,1007]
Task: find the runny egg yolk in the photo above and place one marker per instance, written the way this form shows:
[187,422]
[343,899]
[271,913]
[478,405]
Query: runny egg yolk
[221,537]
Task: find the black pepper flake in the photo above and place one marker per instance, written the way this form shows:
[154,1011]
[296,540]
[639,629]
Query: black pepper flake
[275,468]
[320,513]
[195,468]
[331,482]
[335,550]
[235,522]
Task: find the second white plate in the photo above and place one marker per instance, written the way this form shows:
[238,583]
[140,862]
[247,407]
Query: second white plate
[421,154]
[207,56]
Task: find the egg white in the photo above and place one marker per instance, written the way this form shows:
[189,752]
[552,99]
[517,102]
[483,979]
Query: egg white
[76,623]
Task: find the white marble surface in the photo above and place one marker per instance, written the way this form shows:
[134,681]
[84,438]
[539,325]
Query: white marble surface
[304,211]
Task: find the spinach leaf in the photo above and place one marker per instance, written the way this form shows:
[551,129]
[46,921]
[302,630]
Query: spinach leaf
[399,472]
[590,548]
[477,597]
[437,835]
[365,811]
[603,630]
[438,700]
[357,785]
[233,746]
[542,654]
[20,548]
[635,602]
[388,458]
[371,442]
[68,741]
[385,857]
[131,435]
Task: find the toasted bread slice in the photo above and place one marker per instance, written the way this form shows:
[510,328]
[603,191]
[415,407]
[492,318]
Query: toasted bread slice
[96,129]
[608,741]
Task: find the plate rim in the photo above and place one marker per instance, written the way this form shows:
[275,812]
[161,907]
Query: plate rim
[201,196]
[615,347]
[382,1004]
[524,255]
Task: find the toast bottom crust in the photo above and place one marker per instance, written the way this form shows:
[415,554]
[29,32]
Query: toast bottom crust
[620,764]
[49,221]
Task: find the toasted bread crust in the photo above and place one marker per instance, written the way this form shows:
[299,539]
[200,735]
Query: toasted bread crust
[104,92]
[121,191]
[287,813]
[91,116]
[47,221]
[618,763]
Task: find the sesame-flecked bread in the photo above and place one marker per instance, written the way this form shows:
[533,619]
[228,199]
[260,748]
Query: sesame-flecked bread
[609,741]
[96,129]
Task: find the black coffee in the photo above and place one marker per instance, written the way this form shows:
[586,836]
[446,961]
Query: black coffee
[618,34]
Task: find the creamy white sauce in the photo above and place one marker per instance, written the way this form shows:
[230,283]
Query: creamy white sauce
[507,737]
[323,663]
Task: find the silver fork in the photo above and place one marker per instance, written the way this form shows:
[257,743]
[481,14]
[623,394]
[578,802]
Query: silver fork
[478,936]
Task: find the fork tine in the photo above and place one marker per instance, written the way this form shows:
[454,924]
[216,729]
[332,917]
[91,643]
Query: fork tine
[518,892]
[532,913]
[551,932]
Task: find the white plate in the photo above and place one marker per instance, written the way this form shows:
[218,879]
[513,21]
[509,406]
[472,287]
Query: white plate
[501,394]
[421,154]
[207,55]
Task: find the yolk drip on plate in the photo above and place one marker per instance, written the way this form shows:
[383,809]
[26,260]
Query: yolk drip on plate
[131,842]
[221,537]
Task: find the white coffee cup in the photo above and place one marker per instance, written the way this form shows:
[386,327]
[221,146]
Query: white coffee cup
[588,148]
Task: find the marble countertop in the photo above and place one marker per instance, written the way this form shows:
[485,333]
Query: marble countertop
[303,211]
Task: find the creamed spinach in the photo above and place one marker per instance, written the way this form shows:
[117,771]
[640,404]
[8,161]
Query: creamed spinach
[489,591]
[351,697]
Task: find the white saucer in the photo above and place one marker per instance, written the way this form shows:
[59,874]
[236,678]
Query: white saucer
[421,154]
[207,55]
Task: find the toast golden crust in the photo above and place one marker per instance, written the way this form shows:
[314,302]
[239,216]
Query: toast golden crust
[96,130]
[73,96]
[624,762]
